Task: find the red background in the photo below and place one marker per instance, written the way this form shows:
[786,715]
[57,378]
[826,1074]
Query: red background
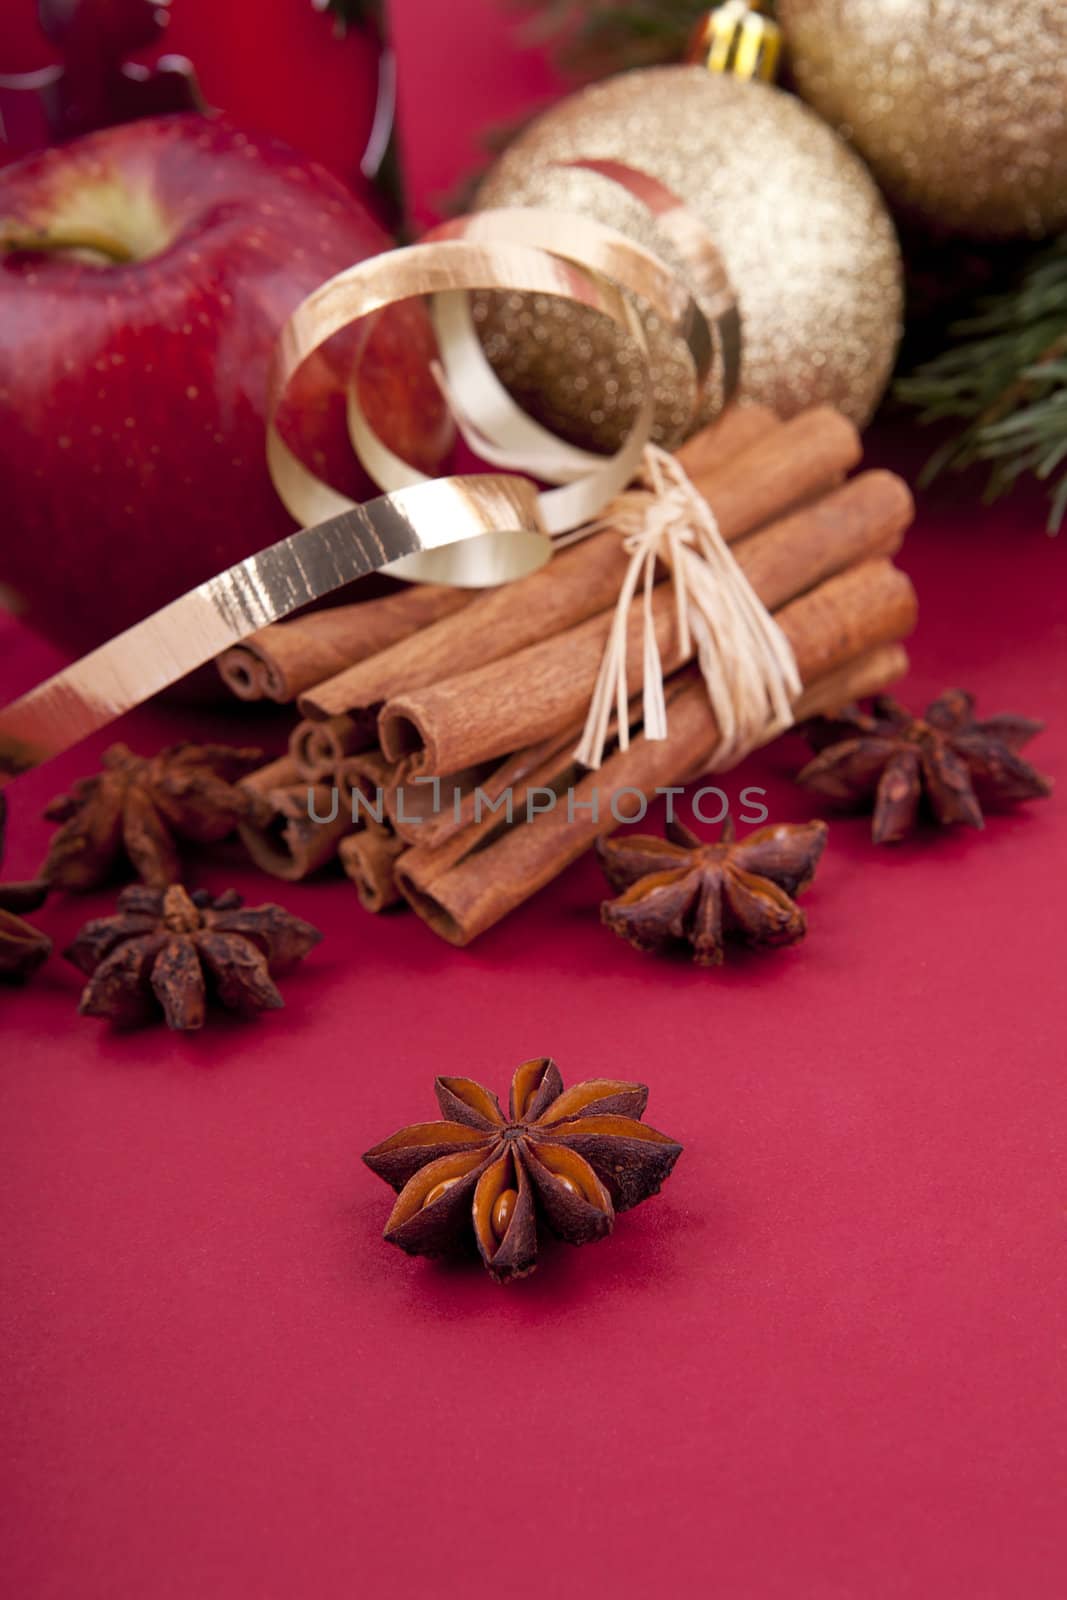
[293,76]
[828,1361]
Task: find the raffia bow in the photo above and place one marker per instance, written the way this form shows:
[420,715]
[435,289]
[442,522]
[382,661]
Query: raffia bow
[746,661]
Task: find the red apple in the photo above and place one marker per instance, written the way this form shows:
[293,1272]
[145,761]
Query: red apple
[148,270]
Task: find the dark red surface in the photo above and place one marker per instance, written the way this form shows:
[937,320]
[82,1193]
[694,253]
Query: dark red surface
[827,1362]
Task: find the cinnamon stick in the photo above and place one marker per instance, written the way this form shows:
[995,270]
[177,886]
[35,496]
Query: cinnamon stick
[519,770]
[544,689]
[576,583]
[783,468]
[411,805]
[868,673]
[367,775]
[390,800]
[546,767]
[287,838]
[318,748]
[849,615]
[281,773]
[426,861]
[281,661]
[368,858]
[784,464]
[470,897]
[739,426]
[866,516]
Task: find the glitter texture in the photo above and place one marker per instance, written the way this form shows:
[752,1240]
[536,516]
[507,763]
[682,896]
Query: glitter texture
[805,236]
[960,107]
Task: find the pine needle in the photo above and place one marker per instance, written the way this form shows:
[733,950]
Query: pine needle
[594,38]
[1006,380]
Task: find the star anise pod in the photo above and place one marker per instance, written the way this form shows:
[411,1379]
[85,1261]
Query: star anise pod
[679,889]
[138,807]
[167,948]
[957,763]
[568,1158]
[22,947]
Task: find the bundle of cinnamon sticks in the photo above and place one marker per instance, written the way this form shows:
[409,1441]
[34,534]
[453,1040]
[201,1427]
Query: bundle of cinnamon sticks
[446,720]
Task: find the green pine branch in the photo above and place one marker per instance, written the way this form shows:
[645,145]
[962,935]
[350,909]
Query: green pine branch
[1006,381]
[594,38]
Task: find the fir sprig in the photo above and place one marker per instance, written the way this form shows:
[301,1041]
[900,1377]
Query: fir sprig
[1006,379]
[594,38]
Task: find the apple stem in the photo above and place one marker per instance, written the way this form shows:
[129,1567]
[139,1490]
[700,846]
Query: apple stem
[16,237]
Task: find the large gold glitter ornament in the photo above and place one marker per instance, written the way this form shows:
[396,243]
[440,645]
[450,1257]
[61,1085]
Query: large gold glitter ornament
[960,107]
[807,242]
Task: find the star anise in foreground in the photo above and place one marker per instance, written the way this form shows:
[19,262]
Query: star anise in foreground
[138,807]
[22,947]
[679,889]
[169,949]
[947,756]
[569,1158]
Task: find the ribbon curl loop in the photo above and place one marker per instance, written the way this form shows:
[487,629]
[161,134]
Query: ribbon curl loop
[519,250]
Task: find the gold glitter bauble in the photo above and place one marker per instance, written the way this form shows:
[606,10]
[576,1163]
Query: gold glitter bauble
[808,244]
[960,107]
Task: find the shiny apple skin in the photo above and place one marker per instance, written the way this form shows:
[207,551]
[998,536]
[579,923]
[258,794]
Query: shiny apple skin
[132,395]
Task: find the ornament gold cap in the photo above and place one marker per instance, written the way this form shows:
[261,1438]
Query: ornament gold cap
[739,38]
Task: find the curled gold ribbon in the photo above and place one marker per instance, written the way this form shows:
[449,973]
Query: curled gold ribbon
[520,250]
[700,314]
[424,269]
[192,630]
[496,427]
[592,264]
[705,269]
